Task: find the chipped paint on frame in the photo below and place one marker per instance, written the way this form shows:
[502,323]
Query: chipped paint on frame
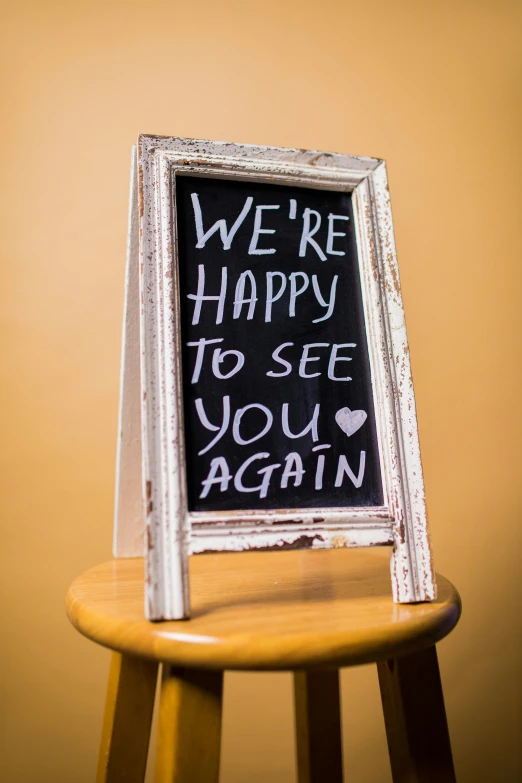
[172,533]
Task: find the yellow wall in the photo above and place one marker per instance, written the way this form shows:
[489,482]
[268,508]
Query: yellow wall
[434,88]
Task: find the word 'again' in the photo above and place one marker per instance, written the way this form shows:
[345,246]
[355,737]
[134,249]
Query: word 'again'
[219,473]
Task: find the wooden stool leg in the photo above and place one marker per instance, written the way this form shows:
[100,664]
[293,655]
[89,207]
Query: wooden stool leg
[189,731]
[318,726]
[127,721]
[415,719]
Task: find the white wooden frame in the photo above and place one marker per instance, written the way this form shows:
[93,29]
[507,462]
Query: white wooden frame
[171,531]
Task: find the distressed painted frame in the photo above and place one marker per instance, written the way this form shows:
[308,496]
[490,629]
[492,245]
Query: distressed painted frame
[172,533]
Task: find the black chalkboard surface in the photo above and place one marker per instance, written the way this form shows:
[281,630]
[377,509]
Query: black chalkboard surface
[278,404]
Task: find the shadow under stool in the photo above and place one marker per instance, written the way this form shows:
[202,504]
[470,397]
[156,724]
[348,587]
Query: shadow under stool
[309,612]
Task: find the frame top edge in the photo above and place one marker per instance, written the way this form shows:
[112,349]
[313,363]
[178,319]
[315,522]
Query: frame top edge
[227,149]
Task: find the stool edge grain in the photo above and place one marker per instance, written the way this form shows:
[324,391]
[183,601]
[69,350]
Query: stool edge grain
[185,643]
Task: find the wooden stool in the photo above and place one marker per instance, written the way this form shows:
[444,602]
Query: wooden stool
[306,611]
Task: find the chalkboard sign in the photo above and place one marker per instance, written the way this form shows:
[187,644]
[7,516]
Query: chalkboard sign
[275,391]
[278,401]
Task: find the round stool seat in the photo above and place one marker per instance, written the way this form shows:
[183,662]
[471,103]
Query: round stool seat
[265,610]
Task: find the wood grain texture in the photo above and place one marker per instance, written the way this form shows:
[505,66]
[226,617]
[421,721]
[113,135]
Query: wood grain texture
[270,610]
[127,720]
[318,726]
[415,719]
[189,731]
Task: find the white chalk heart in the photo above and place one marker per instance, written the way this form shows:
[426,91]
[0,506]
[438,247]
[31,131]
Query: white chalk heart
[350,421]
